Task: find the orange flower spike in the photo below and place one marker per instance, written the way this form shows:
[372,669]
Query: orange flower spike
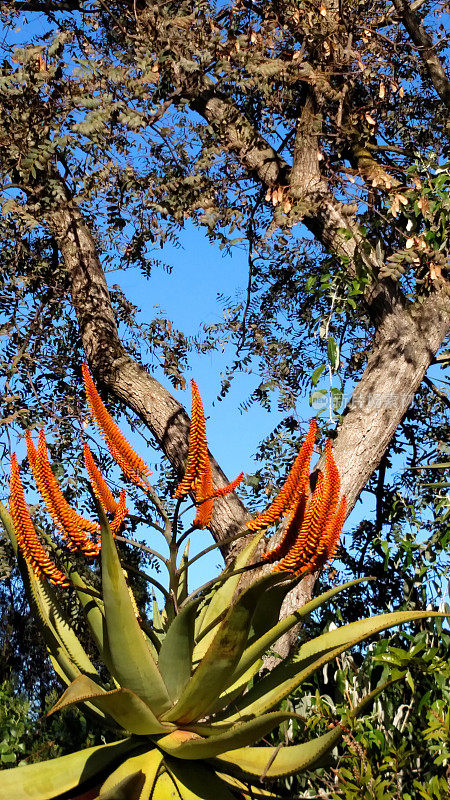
[294,485]
[230,487]
[197,477]
[30,546]
[111,431]
[69,522]
[300,553]
[331,535]
[31,450]
[120,514]
[125,467]
[203,498]
[198,456]
[332,479]
[294,525]
[99,486]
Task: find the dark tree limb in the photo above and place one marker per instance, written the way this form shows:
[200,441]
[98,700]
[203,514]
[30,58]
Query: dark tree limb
[120,373]
[426,48]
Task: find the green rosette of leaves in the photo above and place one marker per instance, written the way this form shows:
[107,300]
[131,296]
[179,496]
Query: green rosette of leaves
[185,696]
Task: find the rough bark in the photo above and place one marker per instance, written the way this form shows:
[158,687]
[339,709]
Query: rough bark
[329,220]
[404,348]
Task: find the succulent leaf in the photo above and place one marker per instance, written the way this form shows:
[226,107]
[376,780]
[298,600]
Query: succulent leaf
[254,761]
[182,592]
[276,686]
[220,660]
[131,660]
[157,621]
[122,705]
[60,639]
[257,761]
[240,735]
[193,781]
[261,645]
[237,688]
[49,779]
[175,655]
[223,597]
[134,779]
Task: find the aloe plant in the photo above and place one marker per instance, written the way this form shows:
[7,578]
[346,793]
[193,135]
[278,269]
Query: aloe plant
[184,693]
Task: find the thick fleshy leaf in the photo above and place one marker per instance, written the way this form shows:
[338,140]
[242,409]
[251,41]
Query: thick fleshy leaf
[49,779]
[193,781]
[261,645]
[276,763]
[131,660]
[93,608]
[254,761]
[248,790]
[122,705]
[175,655]
[237,688]
[223,597]
[276,686]
[60,639]
[267,611]
[188,746]
[208,680]
[134,779]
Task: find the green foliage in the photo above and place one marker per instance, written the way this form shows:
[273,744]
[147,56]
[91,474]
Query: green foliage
[185,687]
[27,737]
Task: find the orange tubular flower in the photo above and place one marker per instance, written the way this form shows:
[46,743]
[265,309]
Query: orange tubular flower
[198,477]
[125,466]
[69,522]
[295,485]
[313,535]
[99,486]
[294,525]
[27,540]
[128,460]
[120,514]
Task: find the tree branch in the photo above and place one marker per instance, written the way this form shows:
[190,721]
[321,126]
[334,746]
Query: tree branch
[327,218]
[413,24]
[120,373]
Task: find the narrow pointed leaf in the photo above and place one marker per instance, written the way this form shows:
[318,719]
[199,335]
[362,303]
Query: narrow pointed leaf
[255,761]
[229,697]
[93,609]
[49,779]
[260,646]
[122,705]
[131,661]
[182,592]
[193,781]
[238,736]
[211,675]
[57,617]
[223,597]
[158,625]
[276,686]
[59,636]
[134,779]
[175,655]
[267,613]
